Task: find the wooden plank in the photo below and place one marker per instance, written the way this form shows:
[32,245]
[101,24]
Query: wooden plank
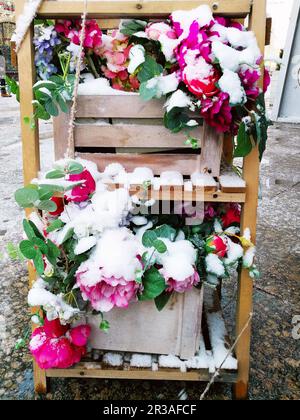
[121,106]
[186,164]
[30,143]
[152,8]
[249,216]
[211,151]
[60,132]
[125,135]
[97,371]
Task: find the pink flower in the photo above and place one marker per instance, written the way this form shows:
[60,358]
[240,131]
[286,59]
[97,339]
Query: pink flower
[209,211]
[108,293]
[217,112]
[267,80]
[216,245]
[52,348]
[83,191]
[249,79]
[155,30]
[93,34]
[183,286]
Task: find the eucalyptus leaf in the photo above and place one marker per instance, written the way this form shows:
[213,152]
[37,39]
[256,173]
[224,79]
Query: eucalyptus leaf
[26,197]
[28,249]
[160,246]
[149,238]
[47,205]
[55,174]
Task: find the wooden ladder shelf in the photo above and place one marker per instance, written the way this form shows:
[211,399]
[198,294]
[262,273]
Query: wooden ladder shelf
[108,12]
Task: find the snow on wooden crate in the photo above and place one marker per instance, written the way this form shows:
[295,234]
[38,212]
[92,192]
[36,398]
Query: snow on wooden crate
[143,329]
[125,129]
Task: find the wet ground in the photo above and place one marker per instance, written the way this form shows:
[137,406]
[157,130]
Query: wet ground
[275,361]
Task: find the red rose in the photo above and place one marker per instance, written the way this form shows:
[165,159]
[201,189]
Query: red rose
[233,215]
[216,245]
[83,191]
[60,206]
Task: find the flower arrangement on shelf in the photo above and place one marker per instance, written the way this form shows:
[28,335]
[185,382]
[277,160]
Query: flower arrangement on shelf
[95,249]
[198,63]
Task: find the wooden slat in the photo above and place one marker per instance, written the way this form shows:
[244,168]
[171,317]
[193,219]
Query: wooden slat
[249,217]
[125,135]
[123,106]
[186,164]
[109,8]
[60,132]
[211,151]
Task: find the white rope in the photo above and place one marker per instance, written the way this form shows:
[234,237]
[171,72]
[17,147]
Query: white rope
[217,373]
[70,152]
[24,21]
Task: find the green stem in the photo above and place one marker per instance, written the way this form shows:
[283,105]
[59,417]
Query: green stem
[92,66]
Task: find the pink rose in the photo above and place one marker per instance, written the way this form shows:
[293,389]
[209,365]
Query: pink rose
[83,191]
[183,286]
[155,30]
[249,79]
[93,34]
[52,348]
[108,292]
[217,112]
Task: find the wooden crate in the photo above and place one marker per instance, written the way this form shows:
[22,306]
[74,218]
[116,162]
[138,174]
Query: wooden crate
[126,129]
[143,329]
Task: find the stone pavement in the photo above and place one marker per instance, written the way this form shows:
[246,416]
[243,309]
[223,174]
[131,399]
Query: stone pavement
[275,361]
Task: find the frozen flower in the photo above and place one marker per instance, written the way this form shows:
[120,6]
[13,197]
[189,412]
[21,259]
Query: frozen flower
[83,191]
[93,34]
[183,286]
[249,78]
[60,206]
[156,29]
[216,245]
[56,346]
[217,112]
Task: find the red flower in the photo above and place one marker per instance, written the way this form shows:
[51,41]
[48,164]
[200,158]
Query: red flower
[233,215]
[60,206]
[53,347]
[83,191]
[216,245]
[267,80]
[217,112]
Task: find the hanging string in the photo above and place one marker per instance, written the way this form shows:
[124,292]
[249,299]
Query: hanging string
[229,353]
[24,21]
[70,152]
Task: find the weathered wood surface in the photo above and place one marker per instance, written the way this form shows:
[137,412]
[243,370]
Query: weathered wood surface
[174,330]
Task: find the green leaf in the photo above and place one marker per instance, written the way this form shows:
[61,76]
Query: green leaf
[162,300]
[57,224]
[30,233]
[38,234]
[53,252]
[75,168]
[52,187]
[154,284]
[149,238]
[55,174]
[176,119]
[61,102]
[40,244]
[160,246]
[104,326]
[148,93]
[244,145]
[68,235]
[39,111]
[166,231]
[149,69]
[44,84]
[132,27]
[28,250]
[47,205]
[51,108]
[39,263]
[26,197]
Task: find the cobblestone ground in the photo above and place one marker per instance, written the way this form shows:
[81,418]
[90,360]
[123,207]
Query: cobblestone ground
[275,361]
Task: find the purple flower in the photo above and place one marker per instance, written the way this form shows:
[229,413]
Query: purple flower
[45,40]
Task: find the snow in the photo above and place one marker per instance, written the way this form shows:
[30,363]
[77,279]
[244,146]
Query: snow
[168,47]
[24,20]
[163,84]
[203,180]
[217,334]
[214,265]
[179,260]
[192,123]
[202,15]
[54,305]
[139,220]
[171,361]
[140,175]
[85,244]
[171,178]
[116,253]
[231,181]
[230,83]
[197,68]
[136,58]
[228,57]
[234,252]
[113,359]
[249,256]
[178,99]
[188,186]
[141,360]
[100,86]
